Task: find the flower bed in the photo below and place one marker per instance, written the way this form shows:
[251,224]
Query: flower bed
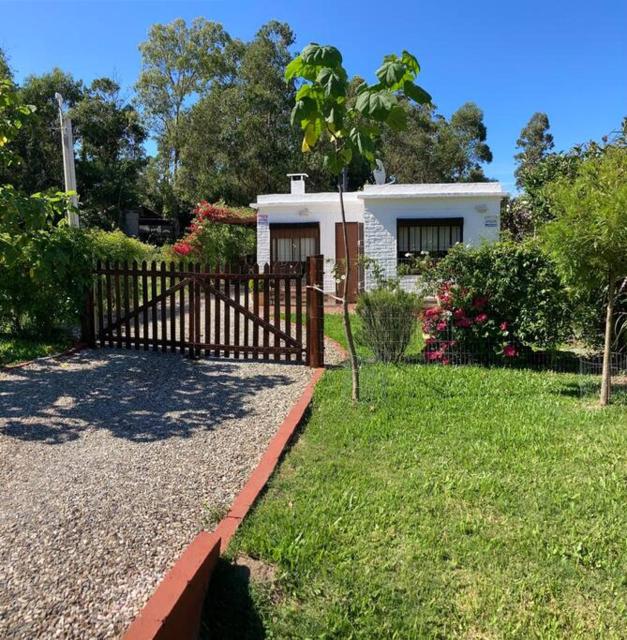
[462,323]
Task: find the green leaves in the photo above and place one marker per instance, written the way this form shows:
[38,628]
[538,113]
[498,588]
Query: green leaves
[376,104]
[313,129]
[416,93]
[333,81]
[390,73]
[326,55]
[324,114]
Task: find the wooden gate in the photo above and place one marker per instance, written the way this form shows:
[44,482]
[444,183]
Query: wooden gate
[272,314]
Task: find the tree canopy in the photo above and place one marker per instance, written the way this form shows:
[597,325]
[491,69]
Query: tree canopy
[588,235]
[534,142]
[434,149]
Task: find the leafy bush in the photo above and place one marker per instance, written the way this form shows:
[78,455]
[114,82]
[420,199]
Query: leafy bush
[521,286]
[388,321]
[116,246]
[462,323]
[45,266]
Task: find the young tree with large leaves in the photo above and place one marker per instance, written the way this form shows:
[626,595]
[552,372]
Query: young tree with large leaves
[588,235]
[344,129]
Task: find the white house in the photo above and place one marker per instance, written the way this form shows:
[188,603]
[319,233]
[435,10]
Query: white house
[386,222]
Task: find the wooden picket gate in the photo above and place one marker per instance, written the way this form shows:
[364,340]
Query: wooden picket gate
[270,314]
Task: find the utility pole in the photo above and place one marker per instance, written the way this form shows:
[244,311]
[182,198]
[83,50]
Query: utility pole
[69,173]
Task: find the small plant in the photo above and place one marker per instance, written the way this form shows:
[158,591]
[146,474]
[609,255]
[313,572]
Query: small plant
[388,321]
[416,264]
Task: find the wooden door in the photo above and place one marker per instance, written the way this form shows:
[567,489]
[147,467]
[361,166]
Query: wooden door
[355,234]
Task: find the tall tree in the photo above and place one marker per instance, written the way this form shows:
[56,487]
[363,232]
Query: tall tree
[347,129]
[434,149]
[110,154]
[534,142]
[5,69]
[238,141]
[588,235]
[38,143]
[178,62]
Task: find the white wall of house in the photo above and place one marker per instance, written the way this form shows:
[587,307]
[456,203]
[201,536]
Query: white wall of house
[481,223]
[379,207]
[321,208]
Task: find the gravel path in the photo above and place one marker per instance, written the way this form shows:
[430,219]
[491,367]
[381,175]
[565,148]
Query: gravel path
[110,462]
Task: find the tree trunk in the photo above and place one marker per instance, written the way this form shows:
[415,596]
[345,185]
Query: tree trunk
[347,321]
[606,375]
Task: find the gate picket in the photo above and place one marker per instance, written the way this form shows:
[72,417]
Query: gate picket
[127,323]
[135,283]
[137,305]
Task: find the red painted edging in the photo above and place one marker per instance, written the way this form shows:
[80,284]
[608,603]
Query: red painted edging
[173,612]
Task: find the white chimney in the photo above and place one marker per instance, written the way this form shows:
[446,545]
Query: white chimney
[297,182]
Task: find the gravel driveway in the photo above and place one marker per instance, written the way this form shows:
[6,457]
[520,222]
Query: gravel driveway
[110,463]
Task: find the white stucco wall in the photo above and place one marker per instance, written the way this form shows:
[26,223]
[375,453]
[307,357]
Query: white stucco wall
[326,213]
[379,208]
[481,223]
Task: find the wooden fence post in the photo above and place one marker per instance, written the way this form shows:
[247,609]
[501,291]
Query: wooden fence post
[88,321]
[315,311]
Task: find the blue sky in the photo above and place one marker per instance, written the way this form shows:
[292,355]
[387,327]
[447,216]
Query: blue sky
[568,58]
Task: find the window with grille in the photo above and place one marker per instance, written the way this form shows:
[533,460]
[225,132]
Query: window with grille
[435,236]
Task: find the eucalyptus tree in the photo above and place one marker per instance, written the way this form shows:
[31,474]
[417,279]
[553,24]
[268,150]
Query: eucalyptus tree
[343,129]
[178,63]
[110,155]
[37,145]
[238,140]
[433,148]
[535,143]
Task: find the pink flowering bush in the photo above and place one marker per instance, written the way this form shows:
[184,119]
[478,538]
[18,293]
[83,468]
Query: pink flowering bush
[463,322]
[215,235]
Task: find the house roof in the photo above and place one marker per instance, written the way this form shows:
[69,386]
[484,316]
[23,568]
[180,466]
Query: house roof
[387,191]
[441,190]
[298,199]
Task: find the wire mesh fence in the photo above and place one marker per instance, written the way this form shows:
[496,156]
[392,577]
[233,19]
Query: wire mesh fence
[591,369]
[582,372]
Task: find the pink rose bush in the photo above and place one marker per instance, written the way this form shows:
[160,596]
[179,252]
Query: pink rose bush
[462,322]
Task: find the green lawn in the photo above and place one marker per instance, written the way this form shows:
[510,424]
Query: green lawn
[14,350]
[455,502]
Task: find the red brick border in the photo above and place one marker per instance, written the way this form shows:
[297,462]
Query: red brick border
[173,612]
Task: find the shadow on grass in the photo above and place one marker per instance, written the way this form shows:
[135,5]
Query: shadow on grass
[230,612]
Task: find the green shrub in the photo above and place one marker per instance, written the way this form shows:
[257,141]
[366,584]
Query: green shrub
[521,284]
[45,266]
[116,246]
[42,263]
[388,321]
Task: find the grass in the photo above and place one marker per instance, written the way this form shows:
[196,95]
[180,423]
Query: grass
[455,502]
[334,328]
[13,350]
